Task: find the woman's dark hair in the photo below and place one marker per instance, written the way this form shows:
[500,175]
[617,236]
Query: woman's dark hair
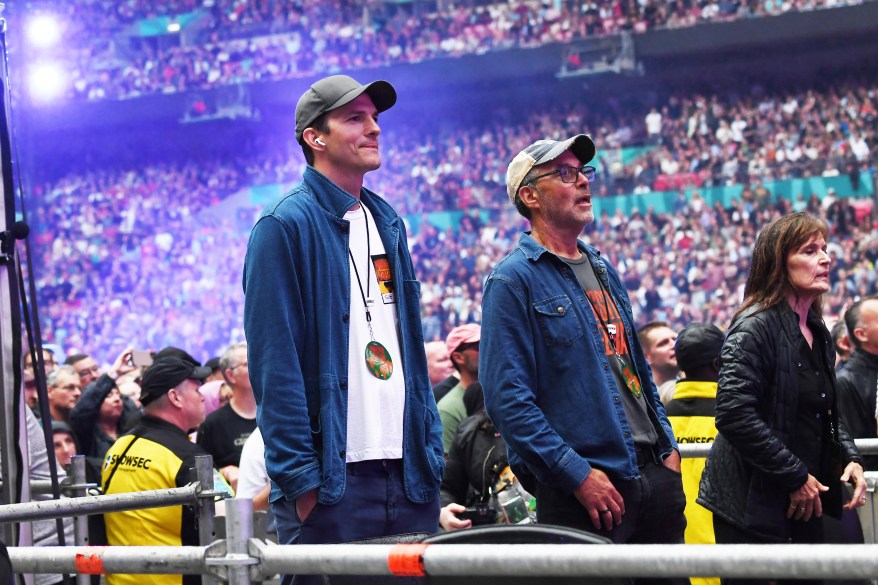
[768,283]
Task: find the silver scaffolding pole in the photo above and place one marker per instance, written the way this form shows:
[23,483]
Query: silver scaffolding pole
[13,439]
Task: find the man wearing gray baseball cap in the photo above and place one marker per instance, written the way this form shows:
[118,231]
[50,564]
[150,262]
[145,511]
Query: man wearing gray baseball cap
[565,379]
[335,343]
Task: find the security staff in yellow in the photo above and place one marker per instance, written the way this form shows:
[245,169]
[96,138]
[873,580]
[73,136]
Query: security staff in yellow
[691,412]
[157,454]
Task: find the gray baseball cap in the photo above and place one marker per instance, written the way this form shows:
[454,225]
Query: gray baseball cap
[543,151]
[335,91]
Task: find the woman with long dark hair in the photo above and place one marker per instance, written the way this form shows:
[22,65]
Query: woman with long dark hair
[782,454]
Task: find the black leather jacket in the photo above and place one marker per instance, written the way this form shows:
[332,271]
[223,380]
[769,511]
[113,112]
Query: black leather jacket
[750,471]
[857,384]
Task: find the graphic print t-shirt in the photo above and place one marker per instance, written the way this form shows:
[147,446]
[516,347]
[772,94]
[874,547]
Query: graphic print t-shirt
[375,406]
[642,430]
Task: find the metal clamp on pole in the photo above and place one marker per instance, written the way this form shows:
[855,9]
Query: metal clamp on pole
[230,559]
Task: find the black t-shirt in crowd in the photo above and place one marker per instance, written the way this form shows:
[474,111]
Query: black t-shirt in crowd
[222,434]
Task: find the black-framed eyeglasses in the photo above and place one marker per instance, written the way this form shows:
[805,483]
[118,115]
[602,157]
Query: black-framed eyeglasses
[569,174]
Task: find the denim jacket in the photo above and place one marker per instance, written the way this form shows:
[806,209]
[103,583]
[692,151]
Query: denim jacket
[547,381]
[296,319]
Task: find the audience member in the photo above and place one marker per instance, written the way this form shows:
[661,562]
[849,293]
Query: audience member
[658,340]
[31,392]
[48,360]
[63,392]
[332,318]
[64,441]
[130,389]
[44,532]
[253,480]
[440,369]
[691,414]
[463,347]
[858,380]
[843,346]
[172,406]
[86,368]
[565,378]
[475,462]
[101,415]
[224,431]
[216,370]
[212,392]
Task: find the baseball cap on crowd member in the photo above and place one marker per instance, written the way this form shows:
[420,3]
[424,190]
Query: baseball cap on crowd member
[335,91]
[178,353]
[166,373]
[543,151]
[698,345]
[469,333]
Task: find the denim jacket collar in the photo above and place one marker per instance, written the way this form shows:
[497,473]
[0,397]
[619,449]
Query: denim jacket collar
[533,250]
[337,201]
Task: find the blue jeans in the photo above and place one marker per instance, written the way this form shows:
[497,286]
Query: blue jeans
[373,505]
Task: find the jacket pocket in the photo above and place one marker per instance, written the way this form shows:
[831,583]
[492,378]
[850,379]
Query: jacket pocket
[557,321]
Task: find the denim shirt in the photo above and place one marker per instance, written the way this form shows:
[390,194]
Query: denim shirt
[296,319]
[548,384]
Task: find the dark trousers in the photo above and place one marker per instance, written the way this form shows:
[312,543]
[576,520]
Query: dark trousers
[374,504]
[654,504]
[810,532]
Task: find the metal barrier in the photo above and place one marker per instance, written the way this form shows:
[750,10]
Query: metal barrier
[240,559]
[624,560]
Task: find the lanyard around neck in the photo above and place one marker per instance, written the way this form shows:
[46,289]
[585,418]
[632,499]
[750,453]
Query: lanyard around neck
[367,301]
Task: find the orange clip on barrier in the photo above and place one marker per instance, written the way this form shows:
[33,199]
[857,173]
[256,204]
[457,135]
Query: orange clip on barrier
[90,561]
[407,560]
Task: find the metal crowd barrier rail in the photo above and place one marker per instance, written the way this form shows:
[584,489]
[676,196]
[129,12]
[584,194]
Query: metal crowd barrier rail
[260,561]
[240,559]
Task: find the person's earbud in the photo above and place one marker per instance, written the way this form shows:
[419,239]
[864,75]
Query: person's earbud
[320,141]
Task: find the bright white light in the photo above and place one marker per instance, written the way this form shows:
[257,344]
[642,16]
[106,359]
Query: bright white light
[43,31]
[47,81]
[174,27]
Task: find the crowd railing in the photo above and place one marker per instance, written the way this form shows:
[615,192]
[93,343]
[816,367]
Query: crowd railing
[241,559]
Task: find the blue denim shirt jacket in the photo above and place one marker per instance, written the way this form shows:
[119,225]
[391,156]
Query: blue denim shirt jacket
[296,318]
[546,377]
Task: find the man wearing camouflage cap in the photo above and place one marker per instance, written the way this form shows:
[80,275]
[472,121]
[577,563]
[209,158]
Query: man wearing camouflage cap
[565,378]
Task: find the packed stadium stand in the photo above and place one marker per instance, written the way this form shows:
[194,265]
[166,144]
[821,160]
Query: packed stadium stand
[123,50]
[144,176]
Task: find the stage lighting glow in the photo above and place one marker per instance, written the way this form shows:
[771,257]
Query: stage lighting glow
[43,31]
[174,27]
[47,81]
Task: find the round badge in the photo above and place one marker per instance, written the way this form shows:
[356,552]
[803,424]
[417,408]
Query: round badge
[378,360]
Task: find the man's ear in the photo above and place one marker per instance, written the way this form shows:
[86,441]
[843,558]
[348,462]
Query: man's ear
[529,196]
[310,136]
[860,333]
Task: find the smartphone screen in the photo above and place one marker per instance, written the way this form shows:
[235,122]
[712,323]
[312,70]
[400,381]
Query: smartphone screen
[141,358]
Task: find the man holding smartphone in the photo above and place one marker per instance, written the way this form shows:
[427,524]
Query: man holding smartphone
[102,414]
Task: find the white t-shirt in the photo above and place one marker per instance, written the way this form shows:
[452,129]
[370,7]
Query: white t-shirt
[252,476]
[375,406]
